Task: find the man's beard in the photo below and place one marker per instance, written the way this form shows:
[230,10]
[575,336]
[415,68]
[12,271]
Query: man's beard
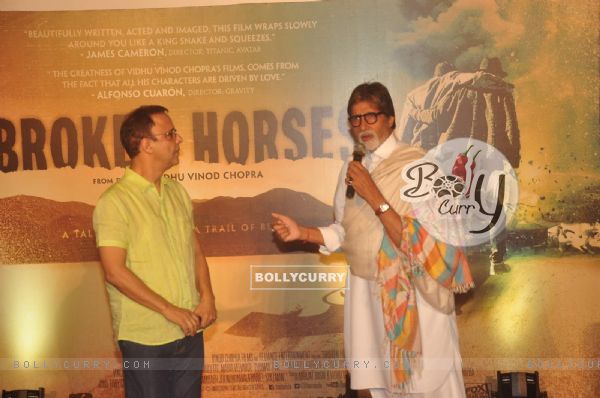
[371,144]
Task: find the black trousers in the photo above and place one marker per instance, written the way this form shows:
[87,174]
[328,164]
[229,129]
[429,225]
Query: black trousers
[172,370]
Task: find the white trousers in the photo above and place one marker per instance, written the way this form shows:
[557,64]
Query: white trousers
[368,354]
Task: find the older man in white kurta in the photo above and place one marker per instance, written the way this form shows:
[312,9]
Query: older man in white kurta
[362,225]
[364,333]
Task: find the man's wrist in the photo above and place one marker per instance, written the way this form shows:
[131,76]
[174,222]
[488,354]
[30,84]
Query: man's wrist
[304,234]
[165,308]
[382,208]
[376,201]
[207,297]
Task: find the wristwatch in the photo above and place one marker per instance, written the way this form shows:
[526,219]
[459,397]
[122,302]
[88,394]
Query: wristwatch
[382,208]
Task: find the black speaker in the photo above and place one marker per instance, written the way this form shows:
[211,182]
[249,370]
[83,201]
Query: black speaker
[518,385]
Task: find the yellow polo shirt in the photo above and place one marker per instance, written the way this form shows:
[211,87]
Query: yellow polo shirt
[157,231]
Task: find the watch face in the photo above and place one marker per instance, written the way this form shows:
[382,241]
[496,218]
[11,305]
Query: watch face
[382,208]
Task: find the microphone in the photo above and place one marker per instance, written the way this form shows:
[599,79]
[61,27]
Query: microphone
[357,155]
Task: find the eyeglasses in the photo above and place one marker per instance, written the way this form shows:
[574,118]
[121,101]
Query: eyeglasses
[169,135]
[369,117]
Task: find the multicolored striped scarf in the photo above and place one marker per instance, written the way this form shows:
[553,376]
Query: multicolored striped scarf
[421,259]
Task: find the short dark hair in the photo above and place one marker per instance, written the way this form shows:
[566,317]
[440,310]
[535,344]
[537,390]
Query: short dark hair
[137,125]
[376,93]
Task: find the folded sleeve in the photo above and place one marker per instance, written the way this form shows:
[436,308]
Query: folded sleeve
[333,236]
[110,224]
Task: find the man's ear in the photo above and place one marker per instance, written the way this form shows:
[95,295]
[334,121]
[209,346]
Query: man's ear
[146,145]
[391,121]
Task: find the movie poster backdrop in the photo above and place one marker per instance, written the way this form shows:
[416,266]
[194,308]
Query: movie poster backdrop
[258,93]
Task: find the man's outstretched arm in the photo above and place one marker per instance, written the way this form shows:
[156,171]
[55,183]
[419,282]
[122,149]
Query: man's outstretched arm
[288,230]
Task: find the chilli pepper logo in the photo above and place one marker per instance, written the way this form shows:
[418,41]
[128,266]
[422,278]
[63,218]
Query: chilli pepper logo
[463,191]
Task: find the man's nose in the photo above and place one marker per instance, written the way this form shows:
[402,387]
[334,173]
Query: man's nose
[178,139]
[363,124]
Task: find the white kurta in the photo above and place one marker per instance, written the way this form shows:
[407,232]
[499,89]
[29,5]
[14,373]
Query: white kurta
[365,343]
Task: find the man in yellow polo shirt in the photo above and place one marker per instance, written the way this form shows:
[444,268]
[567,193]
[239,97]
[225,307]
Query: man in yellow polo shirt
[158,281]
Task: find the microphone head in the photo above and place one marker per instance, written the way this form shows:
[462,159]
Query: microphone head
[359,149]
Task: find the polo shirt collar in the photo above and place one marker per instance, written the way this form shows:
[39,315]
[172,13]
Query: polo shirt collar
[136,180]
